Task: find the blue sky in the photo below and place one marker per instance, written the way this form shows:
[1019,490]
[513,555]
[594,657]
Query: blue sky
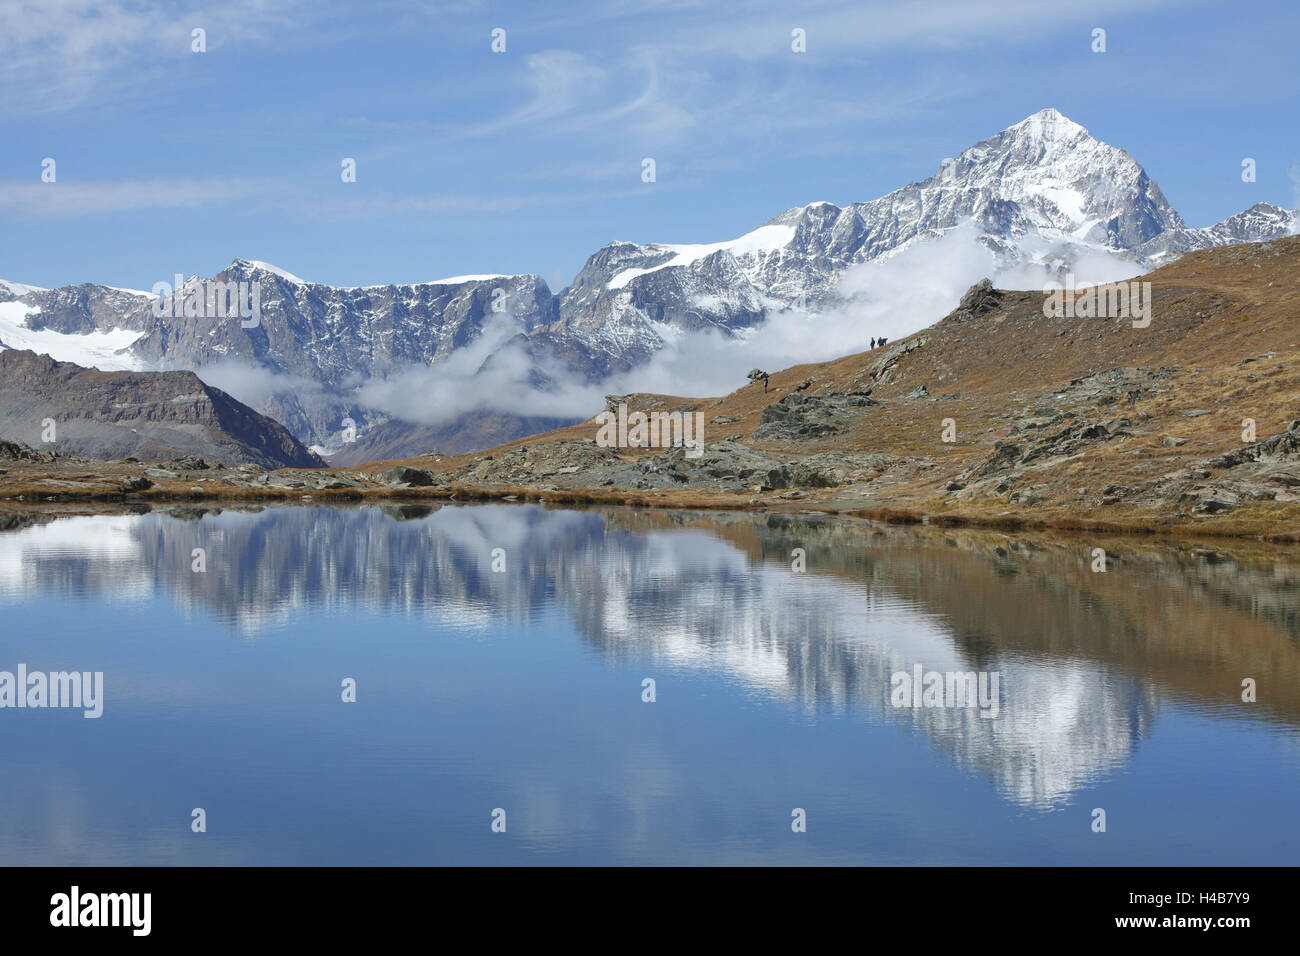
[470,161]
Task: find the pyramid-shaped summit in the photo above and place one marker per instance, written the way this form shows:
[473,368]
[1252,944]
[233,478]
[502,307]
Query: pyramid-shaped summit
[1062,181]
[1048,124]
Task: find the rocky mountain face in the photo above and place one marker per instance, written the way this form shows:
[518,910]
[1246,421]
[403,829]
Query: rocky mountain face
[1043,190]
[1260,222]
[152,416]
[311,343]
[1045,176]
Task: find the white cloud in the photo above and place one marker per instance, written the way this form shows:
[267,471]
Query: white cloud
[56,54]
[255,385]
[494,372]
[67,198]
[892,298]
[560,81]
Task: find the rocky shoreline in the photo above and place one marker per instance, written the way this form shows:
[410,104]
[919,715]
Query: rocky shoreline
[578,473]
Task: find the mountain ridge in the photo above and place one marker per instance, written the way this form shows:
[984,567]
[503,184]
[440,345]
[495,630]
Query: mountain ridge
[1187,425]
[147,415]
[1042,192]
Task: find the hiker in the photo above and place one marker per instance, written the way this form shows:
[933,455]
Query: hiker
[764,384]
[882,341]
[873,343]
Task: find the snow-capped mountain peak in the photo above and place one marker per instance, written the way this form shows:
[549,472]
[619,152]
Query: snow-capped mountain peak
[1261,221]
[1063,181]
[1042,192]
[1045,178]
[1048,124]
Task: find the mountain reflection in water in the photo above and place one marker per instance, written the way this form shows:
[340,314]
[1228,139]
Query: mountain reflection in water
[1088,662]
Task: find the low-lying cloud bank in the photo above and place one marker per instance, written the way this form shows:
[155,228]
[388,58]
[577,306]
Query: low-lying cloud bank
[892,298]
[495,372]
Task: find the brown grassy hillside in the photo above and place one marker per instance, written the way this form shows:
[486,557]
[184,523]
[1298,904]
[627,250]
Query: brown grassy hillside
[1221,346]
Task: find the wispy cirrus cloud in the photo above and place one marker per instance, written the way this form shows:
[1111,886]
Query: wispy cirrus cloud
[69,199]
[752,29]
[23,199]
[570,92]
[560,81]
[387,204]
[58,54]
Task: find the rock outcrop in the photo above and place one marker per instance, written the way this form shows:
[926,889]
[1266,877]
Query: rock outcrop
[154,416]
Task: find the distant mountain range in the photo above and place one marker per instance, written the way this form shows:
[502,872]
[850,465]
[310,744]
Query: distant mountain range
[1043,191]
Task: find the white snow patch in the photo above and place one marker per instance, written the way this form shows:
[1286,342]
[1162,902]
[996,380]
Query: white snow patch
[1069,201]
[276,270]
[101,350]
[1085,227]
[17,288]
[450,280]
[457,280]
[762,239]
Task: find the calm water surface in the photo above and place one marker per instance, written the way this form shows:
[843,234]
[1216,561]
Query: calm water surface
[522,689]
